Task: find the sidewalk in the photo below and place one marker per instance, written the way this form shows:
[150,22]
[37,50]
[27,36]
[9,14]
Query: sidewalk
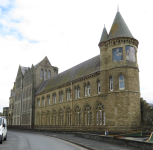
[89,144]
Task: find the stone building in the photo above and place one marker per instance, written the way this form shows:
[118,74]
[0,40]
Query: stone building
[28,81]
[5,112]
[103,90]
[11,106]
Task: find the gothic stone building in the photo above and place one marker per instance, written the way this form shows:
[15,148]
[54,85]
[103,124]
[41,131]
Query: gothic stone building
[27,82]
[103,90]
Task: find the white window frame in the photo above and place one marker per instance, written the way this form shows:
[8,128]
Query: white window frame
[121,81]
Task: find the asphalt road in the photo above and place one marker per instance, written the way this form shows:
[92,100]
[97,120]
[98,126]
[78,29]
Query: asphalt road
[29,141]
[42,141]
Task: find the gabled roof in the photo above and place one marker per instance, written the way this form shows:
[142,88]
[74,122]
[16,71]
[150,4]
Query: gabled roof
[119,28]
[88,67]
[23,69]
[37,64]
[104,35]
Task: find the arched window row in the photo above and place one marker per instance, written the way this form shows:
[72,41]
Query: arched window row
[45,74]
[84,117]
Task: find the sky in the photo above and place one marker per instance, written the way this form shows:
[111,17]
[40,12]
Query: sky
[68,33]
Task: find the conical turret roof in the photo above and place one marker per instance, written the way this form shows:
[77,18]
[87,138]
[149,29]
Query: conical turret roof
[119,28]
[104,35]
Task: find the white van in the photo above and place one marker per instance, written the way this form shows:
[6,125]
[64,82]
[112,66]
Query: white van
[3,129]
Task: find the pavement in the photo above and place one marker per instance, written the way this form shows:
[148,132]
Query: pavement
[85,143]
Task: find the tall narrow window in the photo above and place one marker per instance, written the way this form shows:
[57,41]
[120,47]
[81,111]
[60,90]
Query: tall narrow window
[100,115]
[88,115]
[85,90]
[48,100]
[62,96]
[111,84]
[45,74]
[78,92]
[99,88]
[121,82]
[49,74]
[89,89]
[41,74]
[68,113]
[78,116]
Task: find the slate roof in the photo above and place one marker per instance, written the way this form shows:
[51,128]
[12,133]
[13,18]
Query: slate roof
[104,35]
[23,69]
[88,67]
[119,28]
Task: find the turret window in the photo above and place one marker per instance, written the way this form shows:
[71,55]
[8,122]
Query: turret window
[111,83]
[121,82]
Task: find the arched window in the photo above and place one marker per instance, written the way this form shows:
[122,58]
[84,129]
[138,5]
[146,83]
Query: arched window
[38,102]
[99,87]
[61,117]
[61,96]
[78,92]
[43,101]
[45,74]
[27,92]
[111,83]
[41,74]
[88,115]
[68,94]
[29,104]
[68,114]
[89,89]
[85,90]
[26,105]
[100,115]
[54,98]
[78,116]
[54,117]
[48,100]
[121,82]
[49,74]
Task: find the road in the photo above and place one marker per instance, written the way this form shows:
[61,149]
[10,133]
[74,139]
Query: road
[42,141]
[29,141]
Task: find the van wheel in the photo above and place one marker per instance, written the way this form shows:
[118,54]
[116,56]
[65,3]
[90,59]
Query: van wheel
[1,141]
[5,138]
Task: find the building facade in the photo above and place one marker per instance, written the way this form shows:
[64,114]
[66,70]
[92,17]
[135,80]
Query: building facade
[103,90]
[27,82]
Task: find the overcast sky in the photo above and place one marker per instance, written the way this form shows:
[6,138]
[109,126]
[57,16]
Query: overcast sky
[68,33]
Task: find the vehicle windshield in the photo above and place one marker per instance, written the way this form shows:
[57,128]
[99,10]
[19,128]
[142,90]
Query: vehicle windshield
[0,121]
